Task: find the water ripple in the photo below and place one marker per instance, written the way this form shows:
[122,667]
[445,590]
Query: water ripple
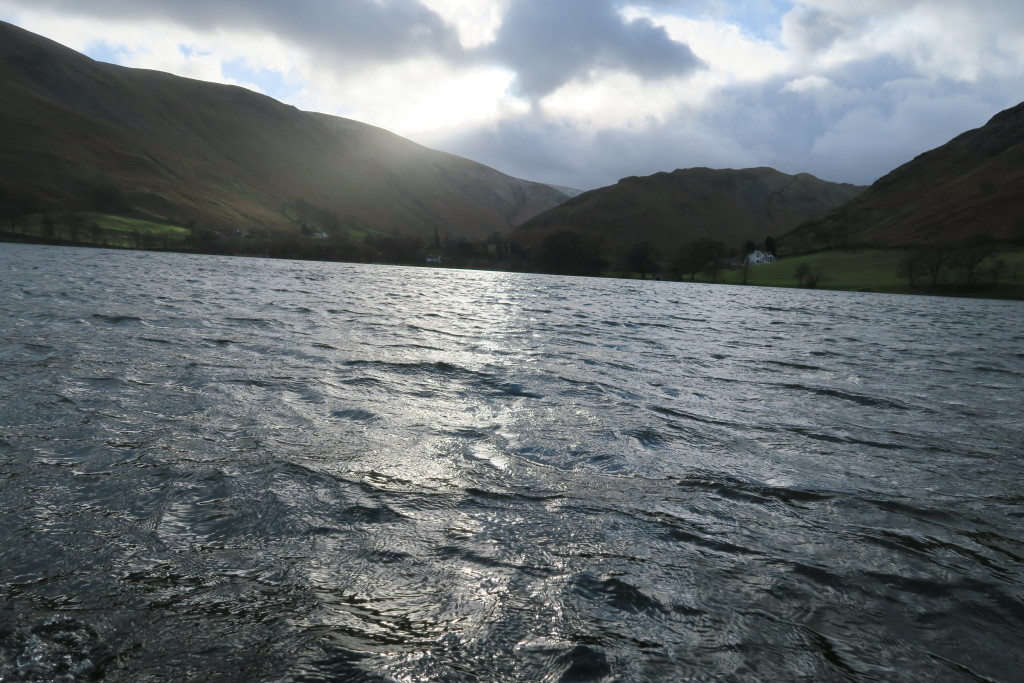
[242,469]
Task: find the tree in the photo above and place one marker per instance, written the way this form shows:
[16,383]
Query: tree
[47,227]
[970,261]
[641,258]
[934,262]
[14,207]
[770,245]
[712,269]
[567,252]
[806,277]
[496,246]
[972,256]
[74,221]
[8,211]
[696,255]
[910,266]
[997,268]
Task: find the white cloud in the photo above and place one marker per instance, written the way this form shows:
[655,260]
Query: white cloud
[414,98]
[939,38]
[476,22]
[807,84]
[615,99]
[166,47]
[731,54]
[169,56]
[422,97]
[609,100]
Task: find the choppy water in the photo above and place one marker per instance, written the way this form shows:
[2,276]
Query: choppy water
[238,469]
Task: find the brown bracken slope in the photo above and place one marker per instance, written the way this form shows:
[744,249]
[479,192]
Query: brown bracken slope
[670,209]
[182,150]
[971,189]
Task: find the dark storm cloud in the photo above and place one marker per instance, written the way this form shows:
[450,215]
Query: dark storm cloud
[354,30]
[548,44]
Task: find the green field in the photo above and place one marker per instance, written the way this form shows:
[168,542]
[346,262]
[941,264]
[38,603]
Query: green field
[129,225]
[874,270]
[89,228]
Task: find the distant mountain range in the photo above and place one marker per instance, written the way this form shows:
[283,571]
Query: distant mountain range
[184,151]
[969,190]
[180,151]
[669,209]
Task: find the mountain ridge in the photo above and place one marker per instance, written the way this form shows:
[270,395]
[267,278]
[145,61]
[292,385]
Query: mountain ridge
[966,190]
[669,209]
[226,157]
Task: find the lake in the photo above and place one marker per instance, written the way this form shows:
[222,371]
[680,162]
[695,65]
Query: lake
[245,469]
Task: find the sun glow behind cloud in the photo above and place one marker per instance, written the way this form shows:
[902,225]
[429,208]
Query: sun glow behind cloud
[581,92]
[412,97]
[416,97]
[613,99]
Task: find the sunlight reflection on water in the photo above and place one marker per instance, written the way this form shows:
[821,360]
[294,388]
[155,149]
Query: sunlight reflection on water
[275,470]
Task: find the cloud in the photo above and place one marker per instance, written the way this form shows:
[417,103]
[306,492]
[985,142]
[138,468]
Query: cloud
[939,38]
[895,129]
[476,22]
[807,84]
[545,43]
[539,147]
[434,96]
[549,44]
[349,31]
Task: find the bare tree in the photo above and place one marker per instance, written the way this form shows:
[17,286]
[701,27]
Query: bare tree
[806,277]
[641,258]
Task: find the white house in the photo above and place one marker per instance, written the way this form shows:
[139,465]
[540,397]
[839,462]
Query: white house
[758,257]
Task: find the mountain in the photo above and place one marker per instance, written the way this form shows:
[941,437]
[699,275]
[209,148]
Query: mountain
[181,150]
[670,209]
[969,189]
[568,191]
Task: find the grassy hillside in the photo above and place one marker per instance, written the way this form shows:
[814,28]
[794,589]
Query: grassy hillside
[966,191]
[671,209]
[181,151]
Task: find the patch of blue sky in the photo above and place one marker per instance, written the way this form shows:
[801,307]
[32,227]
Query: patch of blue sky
[762,18]
[758,18]
[102,51]
[272,83]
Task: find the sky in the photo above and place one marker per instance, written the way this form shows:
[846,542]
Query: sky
[583,92]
